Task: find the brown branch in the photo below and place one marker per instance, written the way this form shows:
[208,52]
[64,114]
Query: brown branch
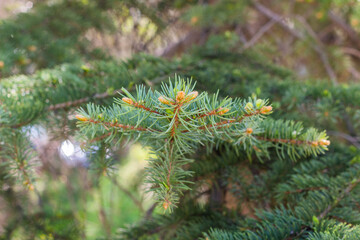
[351,51]
[280,140]
[319,48]
[259,34]
[353,35]
[128,193]
[225,122]
[65,105]
[176,120]
[81,101]
[213,112]
[137,105]
[279,20]
[100,137]
[194,37]
[351,139]
[344,194]
[305,189]
[126,127]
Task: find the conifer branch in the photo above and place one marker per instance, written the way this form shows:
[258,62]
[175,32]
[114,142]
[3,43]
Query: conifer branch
[139,105]
[116,125]
[82,100]
[100,137]
[225,122]
[346,192]
[178,110]
[294,141]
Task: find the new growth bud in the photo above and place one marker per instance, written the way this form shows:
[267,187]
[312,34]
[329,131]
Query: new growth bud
[165,101]
[249,130]
[166,205]
[180,96]
[32,48]
[128,100]
[324,142]
[81,118]
[222,111]
[249,107]
[259,102]
[191,96]
[314,143]
[266,109]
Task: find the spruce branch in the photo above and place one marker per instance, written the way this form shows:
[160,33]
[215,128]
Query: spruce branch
[175,121]
[346,192]
[108,125]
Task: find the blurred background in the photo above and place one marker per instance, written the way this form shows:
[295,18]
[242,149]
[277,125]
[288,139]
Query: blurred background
[316,40]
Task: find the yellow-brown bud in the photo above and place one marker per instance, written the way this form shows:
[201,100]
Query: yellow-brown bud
[2,64]
[324,142]
[314,143]
[31,187]
[32,48]
[266,109]
[164,100]
[81,118]
[222,111]
[191,96]
[180,96]
[128,100]
[166,205]
[194,19]
[249,130]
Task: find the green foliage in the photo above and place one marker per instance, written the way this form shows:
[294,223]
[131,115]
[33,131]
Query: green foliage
[274,181]
[177,120]
[37,39]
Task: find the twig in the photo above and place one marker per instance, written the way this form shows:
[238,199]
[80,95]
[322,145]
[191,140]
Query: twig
[259,34]
[225,122]
[81,101]
[344,193]
[279,20]
[319,48]
[150,211]
[353,35]
[351,51]
[64,105]
[345,136]
[128,193]
[118,125]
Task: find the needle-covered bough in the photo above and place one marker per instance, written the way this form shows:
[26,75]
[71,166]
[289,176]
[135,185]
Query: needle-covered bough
[177,120]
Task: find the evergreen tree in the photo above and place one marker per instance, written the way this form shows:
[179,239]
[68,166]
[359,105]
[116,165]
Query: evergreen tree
[235,154]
